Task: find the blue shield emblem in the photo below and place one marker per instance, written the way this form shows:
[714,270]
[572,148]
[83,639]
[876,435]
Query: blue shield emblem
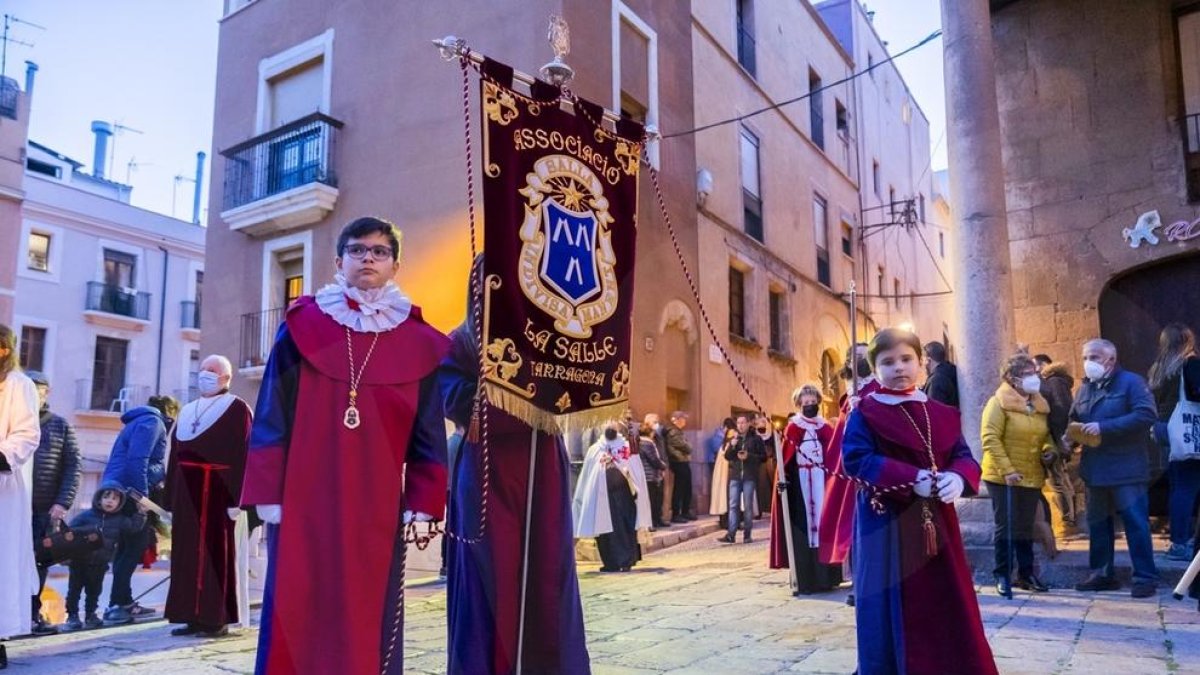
[569,260]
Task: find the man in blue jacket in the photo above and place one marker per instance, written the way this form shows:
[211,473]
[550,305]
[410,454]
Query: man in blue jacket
[136,463]
[1117,406]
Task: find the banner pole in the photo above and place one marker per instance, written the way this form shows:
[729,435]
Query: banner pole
[785,507]
[525,556]
[853,339]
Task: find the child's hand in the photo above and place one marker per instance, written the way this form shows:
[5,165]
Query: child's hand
[950,486]
[1013,478]
[924,484]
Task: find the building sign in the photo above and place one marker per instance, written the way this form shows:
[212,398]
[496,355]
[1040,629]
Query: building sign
[1177,232]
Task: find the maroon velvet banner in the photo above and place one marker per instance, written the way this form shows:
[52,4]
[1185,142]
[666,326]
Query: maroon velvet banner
[560,226]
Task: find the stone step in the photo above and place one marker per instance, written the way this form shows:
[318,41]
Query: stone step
[585,549]
[1070,566]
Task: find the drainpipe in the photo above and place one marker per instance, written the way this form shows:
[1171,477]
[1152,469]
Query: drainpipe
[199,184]
[162,322]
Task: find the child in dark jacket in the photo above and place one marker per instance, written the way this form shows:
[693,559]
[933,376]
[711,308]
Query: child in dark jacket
[87,572]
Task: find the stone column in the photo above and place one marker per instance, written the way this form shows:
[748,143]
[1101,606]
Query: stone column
[983,285]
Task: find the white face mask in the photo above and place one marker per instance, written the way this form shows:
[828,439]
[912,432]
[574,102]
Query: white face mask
[208,382]
[1093,370]
[1031,384]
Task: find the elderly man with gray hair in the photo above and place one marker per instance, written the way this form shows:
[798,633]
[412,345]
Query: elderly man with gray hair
[204,483]
[1111,417]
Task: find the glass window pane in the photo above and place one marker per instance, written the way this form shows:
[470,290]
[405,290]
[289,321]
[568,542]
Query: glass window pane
[39,251]
[750,163]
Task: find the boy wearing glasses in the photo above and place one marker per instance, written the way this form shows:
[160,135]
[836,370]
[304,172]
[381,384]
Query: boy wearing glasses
[348,410]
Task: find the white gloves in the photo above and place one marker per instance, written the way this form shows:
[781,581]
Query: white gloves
[924,484]
[270,513]
[233,513]
[410,516]
[950,486]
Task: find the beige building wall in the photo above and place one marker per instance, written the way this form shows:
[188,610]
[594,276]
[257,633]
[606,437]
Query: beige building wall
[13,134]
[400,155]
[1094,123]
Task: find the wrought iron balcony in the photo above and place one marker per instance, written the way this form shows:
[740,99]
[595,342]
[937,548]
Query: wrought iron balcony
[258,335]
[189,315]
[111,299]
[282,179]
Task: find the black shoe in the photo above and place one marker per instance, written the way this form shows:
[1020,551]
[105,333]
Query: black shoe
[221,632]
[1097,582]
[184,631]
[726,539]
[1031,583]
[678,519]
[1003,586]
[73,623]
[662,525]
[690,518]
[92,621]
[1143,589]
[850,600]
[43,627]
[606,568]
[747,539]
[139,612]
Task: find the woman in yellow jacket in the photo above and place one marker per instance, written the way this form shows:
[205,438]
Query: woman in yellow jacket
[1015,434]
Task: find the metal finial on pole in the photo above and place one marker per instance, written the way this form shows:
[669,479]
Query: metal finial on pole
[557,72]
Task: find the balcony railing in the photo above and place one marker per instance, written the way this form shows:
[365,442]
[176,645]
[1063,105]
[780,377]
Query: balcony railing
[109,397]
[258,334]
[189,315]
[8,97]
[102,297]
[293,155]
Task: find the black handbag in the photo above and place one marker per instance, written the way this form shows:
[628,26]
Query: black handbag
[65,544]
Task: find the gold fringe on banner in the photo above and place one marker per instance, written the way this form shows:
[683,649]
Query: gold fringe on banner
[550,423]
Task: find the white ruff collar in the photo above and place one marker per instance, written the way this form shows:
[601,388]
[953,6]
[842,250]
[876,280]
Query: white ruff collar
[203,413]
[379,309]
[865,381]
[917,396]
[806,423]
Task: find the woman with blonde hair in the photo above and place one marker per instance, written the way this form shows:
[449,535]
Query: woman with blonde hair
[1015,433]
[20,433]
[1174,379]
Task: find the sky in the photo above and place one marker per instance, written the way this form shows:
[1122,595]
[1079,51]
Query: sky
[150,65]
[146,64]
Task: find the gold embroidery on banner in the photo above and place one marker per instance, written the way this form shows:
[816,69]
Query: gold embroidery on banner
[620,387]
[499,105]
[499,369]
[629,155]
[564,402]
[568,183]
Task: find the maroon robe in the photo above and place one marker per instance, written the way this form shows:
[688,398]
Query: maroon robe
[204,480]
[837,514]
[792,436]
[332,598]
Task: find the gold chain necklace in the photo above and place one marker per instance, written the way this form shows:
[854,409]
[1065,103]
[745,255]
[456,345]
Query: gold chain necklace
[352,419]
[927,524]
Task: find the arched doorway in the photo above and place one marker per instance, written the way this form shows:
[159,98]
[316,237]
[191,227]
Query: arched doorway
[1134,307]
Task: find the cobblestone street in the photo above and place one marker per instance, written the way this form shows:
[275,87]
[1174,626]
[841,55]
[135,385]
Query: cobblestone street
[704,607]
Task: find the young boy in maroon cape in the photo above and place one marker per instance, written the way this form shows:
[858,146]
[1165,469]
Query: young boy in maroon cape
[916,610]
[348,445]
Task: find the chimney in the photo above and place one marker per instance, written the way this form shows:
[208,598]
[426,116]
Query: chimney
[102,130]
[199,184]
[31,69]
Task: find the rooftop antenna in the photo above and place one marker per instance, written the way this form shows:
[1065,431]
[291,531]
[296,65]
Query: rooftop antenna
[118,128]
[133,165]
[9,21]
[179,178]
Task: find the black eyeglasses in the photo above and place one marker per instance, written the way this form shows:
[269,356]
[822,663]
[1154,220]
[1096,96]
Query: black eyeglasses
[378,252]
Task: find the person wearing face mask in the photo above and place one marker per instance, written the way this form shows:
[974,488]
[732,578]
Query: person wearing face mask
[1015,433]
[204,482]
[805,439]
[1111,417]
[765,484]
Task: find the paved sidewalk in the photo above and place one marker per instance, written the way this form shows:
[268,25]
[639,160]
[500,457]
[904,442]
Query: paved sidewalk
[704,608]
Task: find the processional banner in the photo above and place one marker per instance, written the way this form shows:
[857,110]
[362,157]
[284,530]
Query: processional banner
[560,224]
